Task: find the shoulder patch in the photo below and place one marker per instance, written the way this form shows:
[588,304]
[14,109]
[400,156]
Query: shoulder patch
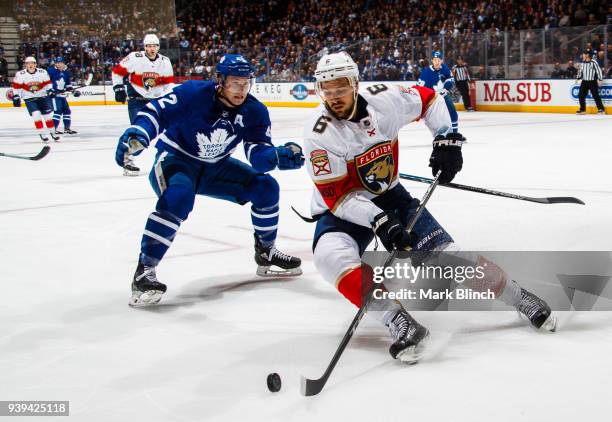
[320,162]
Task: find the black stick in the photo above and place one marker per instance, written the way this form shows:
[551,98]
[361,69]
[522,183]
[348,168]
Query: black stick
[43,152]
[546,200]
[314,387]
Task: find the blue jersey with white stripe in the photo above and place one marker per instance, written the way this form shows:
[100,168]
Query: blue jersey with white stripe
[192,121]
[60,80]
[436,79]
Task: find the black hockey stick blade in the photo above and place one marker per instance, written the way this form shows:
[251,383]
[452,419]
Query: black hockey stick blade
[545,200]
[43,152]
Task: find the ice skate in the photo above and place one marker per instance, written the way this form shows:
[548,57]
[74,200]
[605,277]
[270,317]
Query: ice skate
[146,289]
[70,132]
[54,136]
[44,139]
[537,311]
[267,257]
[409,338]
[129,168]
[58,132]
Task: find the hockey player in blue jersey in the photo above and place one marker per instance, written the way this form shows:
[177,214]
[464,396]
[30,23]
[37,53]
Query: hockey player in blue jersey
[198,125]
[60,88]
[438,77]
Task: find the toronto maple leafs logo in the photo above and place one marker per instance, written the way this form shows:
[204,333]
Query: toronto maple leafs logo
[214,144]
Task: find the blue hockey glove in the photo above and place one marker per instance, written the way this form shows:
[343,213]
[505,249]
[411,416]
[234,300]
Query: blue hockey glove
[16,101]
[132,142]
[290,156]
[120,94]
[448,84]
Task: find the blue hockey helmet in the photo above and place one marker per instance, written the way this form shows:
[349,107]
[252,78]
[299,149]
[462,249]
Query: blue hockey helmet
[437,55]
[59,59]
[235,65]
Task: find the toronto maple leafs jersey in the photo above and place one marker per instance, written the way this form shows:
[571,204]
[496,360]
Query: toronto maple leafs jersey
[31,85]
[147,78]
[192,121]
[353,161]
[60,80]
[436,79]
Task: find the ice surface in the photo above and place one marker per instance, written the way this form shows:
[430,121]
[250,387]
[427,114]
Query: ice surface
[70,234]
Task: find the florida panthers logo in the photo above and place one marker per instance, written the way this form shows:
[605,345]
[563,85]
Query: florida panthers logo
[149,80]
[376,168]
[33,87]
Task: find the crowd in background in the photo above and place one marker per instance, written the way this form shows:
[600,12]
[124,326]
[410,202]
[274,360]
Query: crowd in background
[390,39]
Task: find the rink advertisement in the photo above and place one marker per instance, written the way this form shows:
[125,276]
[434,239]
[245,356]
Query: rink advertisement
[469,281]
[537,95]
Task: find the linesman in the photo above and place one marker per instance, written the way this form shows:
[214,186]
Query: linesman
[462,80]
[591,75]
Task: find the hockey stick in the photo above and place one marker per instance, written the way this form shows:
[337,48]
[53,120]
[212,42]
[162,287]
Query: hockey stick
[43,152]
[545,200]
[86,82]
[311,387]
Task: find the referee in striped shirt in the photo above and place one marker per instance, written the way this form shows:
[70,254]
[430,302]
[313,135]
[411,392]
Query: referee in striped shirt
[462,79]
[591,74]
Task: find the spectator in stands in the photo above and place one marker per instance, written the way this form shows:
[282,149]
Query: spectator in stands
[557,72]
[3,68]
[571,72]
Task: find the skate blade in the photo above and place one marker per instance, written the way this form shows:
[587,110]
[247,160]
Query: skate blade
[550,324]
[411,355]
[268,271]
[130,173]
[143,299]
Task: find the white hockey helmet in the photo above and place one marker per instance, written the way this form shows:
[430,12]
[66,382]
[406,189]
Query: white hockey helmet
[150,39]
[30,59]
[336,66]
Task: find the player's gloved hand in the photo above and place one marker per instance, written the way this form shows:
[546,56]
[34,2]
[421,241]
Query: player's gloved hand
[448,84]
[290,156]
[132,142]
[392,233]
[446,156]
[16,101]
[120,94]
[76,93]
[52,93]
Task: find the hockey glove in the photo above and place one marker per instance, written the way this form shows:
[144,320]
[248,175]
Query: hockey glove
[16,101]
[132,142]
[290,156]
[446,156]
[392,233]
[51,93]
[76,93]
[120,95]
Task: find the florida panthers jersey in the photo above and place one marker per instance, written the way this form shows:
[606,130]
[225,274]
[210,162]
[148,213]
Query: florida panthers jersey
[436,79]
[31,85]
[192,120]
[353,161]
[147,78]
[60,80]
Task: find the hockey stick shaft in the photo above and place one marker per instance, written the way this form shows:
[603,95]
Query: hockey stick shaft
[43,152]
[313,387]
[544,200]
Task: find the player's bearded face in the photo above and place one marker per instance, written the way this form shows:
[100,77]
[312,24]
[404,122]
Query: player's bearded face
[151,50]
[339,95]
[30,66]
[236,88]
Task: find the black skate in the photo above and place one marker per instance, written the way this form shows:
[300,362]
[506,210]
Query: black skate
[537,311]
[70,132]
[59,132]
[267,257]
[146,289]
[129,168]
[54,136]
[409,338]
[44,139]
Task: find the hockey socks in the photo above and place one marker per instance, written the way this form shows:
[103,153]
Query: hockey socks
[157,237]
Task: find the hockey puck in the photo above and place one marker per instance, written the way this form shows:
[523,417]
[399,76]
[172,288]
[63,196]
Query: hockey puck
[274,382]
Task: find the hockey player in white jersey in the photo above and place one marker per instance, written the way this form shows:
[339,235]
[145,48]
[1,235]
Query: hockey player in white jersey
[139,78]
[351,143]
[32,85]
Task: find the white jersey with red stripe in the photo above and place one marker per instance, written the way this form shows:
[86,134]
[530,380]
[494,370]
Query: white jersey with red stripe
[31,85]
[149,78]
[353,161]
